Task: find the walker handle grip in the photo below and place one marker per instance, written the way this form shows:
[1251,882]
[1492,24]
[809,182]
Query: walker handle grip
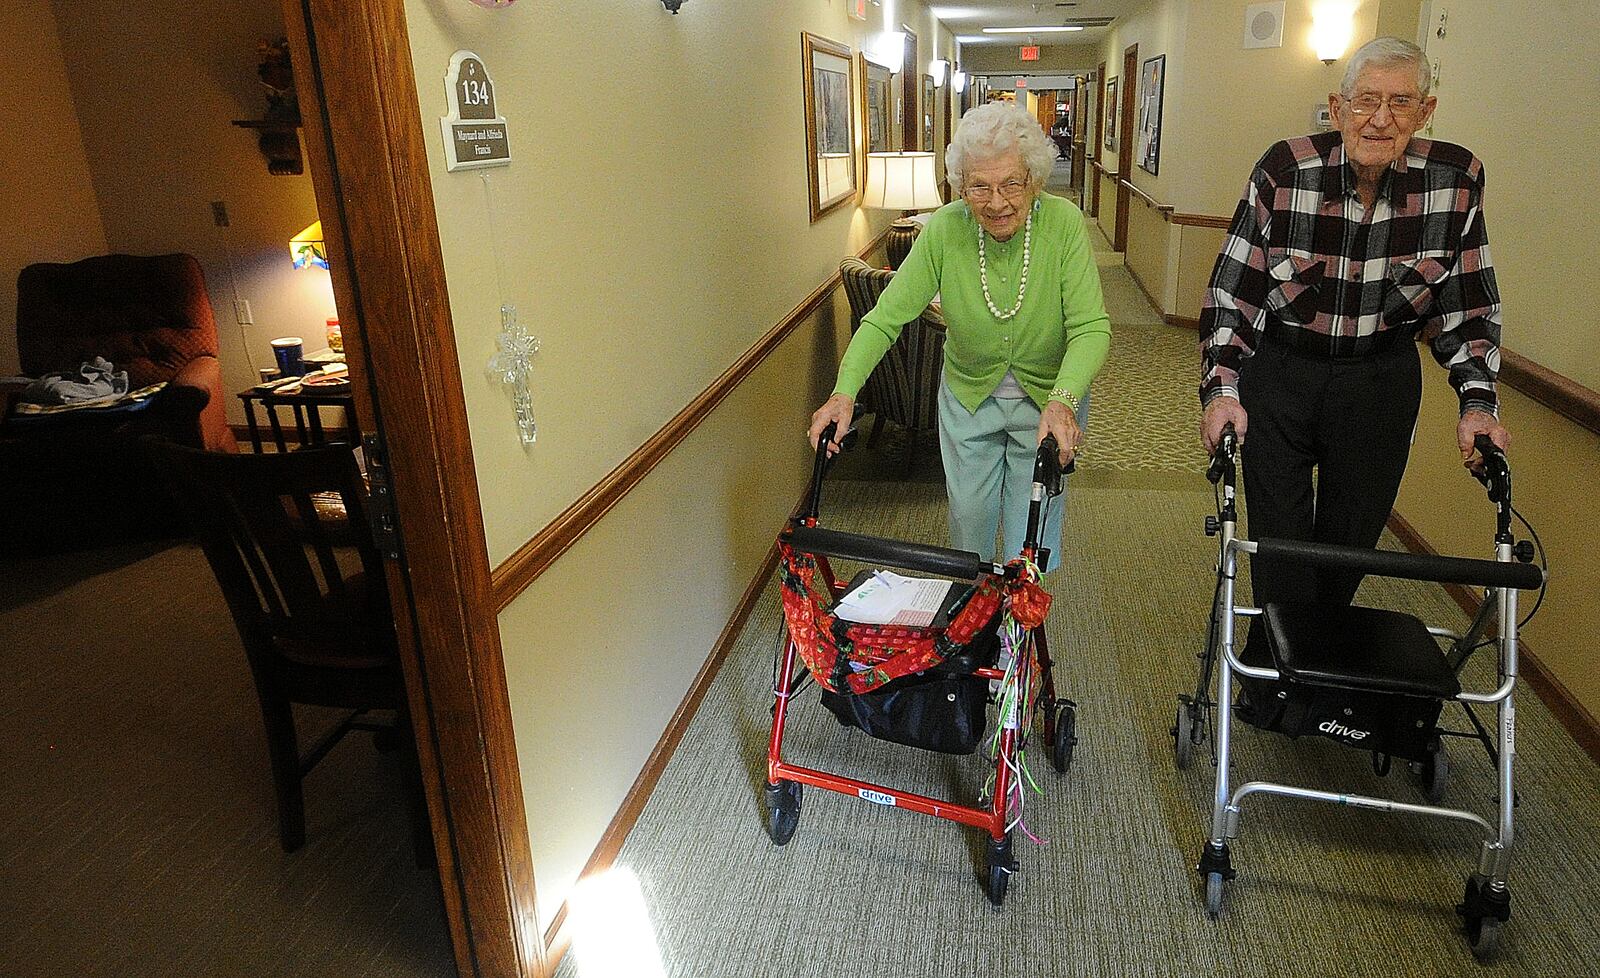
[960,564]
[1415,567]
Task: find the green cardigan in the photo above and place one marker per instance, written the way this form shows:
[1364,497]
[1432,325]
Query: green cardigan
[1058,339]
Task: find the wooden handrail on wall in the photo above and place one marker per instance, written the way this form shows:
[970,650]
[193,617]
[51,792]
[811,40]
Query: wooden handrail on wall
[1165,210]
[1110,174]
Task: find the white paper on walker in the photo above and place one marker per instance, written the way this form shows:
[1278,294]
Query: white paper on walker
[887,598]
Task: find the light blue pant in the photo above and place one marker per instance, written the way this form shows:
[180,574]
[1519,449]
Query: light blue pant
[988,473]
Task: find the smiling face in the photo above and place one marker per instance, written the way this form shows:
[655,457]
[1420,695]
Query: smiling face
[1375,139]
[999,193]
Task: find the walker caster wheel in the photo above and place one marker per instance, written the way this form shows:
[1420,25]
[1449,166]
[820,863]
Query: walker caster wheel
[1214,883]
[783,810]
[1185,734]
[1066,738]
[1435,774]
[1483,911]
[1216,868]
[1000,867]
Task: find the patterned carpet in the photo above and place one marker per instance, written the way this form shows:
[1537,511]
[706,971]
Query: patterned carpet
[868,891]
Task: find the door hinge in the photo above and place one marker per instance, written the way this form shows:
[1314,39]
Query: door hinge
[380,501]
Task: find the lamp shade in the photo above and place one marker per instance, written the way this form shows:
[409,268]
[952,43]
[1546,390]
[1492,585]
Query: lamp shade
[307,249]
[901,181]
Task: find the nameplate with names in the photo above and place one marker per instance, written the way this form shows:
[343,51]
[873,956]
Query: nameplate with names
[475,135]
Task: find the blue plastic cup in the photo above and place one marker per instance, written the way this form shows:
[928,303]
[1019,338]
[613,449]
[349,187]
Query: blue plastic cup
[287,351]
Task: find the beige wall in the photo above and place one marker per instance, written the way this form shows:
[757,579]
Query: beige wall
[47,203]
[1541,214]
[648,244]
[156,85]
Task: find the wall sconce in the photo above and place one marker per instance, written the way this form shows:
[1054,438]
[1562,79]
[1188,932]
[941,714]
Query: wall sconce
[958,82]
[888,50]
[1331,28]
[938,68]
[672,5]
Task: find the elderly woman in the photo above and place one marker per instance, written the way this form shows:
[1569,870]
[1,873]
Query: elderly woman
[1027,327]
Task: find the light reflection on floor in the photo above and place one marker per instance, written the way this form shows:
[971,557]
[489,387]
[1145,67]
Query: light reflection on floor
[611,932]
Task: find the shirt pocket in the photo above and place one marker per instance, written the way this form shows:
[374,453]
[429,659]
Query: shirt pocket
[1411,289]
[1294,283]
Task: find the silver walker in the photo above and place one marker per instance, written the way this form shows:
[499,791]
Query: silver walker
[1326,671]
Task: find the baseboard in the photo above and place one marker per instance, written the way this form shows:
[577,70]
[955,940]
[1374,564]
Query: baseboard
[1572,714]
[1183,321]
[605,851]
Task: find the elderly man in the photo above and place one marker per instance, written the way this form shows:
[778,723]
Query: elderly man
[1348,247]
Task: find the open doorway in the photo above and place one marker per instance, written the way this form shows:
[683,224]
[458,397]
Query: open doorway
[143,777]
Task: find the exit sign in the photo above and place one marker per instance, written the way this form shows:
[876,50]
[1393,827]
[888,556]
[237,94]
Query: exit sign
[1030,52]
[858,9]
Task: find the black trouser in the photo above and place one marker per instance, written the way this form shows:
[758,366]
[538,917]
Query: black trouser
[1349,419]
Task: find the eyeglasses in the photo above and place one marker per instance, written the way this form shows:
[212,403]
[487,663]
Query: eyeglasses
[1402,107]
[981,193]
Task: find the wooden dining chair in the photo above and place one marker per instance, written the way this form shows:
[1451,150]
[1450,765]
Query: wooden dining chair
[285,535]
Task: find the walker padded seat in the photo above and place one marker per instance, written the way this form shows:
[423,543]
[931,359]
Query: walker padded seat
[1367,649]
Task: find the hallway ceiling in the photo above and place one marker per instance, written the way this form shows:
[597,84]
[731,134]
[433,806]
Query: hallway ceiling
[967,20]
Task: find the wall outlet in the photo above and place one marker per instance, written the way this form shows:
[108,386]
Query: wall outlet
[241,312]
[219,213]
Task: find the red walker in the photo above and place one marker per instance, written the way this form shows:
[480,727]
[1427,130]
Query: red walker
[858,665]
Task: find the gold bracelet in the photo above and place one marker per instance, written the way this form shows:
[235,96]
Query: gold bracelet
[1062,394]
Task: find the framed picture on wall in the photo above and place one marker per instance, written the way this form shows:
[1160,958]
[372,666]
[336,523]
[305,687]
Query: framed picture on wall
[830,137]
[927,113]
[875,104]
[1109,113]
[1147,149]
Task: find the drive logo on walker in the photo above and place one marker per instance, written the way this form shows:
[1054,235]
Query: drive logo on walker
[876,797]
[1340,730]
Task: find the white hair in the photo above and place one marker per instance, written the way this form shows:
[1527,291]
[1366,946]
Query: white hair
[1386,52]
[993,130]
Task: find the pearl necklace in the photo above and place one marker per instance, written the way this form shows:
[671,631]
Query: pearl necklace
[1022,280]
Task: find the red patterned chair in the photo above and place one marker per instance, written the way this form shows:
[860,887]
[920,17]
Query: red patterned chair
[80,472]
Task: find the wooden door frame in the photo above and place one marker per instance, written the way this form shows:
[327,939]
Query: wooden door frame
[1097,139]
[385,258]
[1125,92]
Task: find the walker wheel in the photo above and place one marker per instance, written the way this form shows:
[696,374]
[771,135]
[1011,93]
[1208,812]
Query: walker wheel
[1000,868]
[1066,738]
[783,810]
[1483,912]
[1484,936]
[1435,774]
[1183,735]
[1214,883]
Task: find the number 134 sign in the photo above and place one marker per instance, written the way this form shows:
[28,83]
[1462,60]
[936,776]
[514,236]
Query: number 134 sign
[474,132]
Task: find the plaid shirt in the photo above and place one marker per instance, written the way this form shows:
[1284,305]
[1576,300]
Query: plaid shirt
[1307,265]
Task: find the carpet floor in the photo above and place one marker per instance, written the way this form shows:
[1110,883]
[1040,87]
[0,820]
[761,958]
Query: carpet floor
[869,891]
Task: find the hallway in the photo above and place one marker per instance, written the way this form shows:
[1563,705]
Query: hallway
[862,890]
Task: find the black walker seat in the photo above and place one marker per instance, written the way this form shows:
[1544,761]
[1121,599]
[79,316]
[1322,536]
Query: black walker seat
[1362,649]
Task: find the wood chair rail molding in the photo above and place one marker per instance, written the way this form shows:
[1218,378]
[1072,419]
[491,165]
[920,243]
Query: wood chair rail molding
[533,558]
[1558,393]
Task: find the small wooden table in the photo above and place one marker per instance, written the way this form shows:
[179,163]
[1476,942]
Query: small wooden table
[306,407]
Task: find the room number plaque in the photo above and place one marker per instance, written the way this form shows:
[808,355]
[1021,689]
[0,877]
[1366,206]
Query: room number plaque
[474,133]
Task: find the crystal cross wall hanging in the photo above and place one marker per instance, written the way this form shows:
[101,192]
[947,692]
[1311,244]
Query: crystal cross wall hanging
[512,364]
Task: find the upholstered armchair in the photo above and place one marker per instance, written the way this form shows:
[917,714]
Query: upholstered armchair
[148,316]
[77,477]
[904,388]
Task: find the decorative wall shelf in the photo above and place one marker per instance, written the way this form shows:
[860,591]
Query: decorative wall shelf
[279,141]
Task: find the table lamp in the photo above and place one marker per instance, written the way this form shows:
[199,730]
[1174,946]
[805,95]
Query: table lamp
[307,249]
[904,182]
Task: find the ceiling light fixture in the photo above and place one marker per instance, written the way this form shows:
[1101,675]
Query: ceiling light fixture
[1032,30]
